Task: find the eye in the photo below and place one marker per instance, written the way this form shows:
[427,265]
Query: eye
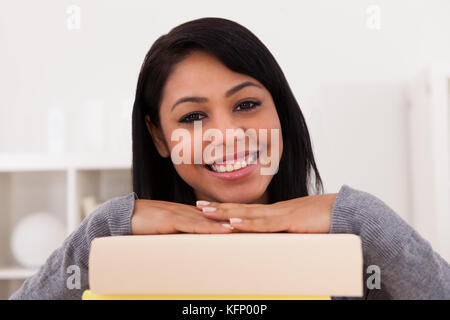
[247,105]
[191,117]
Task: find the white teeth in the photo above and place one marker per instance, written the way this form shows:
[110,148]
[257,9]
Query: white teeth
[237,165]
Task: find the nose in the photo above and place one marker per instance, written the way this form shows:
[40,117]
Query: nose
[230,128]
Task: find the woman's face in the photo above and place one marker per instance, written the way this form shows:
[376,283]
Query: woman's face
[229,175]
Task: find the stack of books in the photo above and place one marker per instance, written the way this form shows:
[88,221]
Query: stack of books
[235,266]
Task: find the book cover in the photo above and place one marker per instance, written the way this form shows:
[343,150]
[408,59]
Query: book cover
[226,266]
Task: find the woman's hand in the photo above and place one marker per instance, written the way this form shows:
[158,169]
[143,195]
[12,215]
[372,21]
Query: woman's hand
[163,217]
[310,214]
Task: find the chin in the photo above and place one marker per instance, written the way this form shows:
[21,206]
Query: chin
[238,197]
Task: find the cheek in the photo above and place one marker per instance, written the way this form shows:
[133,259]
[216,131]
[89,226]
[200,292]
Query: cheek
[270,121]
[187,169]
[275,124]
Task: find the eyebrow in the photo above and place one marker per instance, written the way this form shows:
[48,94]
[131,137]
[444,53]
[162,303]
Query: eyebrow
[227,94]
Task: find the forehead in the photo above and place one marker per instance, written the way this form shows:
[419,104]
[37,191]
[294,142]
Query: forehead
[201,74]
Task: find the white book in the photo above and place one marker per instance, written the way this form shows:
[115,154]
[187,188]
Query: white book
[249,264]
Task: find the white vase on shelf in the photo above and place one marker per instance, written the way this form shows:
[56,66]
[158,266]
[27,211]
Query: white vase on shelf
[35,237]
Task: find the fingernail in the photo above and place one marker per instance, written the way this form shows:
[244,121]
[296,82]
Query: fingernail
[235,220]
[202,203]
[208,209]
[226,225]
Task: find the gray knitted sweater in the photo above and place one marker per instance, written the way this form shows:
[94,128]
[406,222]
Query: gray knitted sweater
[409,268]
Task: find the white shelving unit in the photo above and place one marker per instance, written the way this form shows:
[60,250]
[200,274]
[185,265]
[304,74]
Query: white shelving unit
[429,131]
[54,184]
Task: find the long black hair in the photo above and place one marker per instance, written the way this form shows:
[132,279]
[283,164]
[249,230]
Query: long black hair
[154,177]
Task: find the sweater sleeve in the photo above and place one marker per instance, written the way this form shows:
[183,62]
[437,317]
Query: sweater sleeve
[409,268]
[112,218]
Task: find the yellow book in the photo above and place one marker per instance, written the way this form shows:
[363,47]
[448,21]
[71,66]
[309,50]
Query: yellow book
[88,295]
[236,266]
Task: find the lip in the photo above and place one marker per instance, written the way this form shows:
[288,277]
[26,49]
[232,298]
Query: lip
[235,175]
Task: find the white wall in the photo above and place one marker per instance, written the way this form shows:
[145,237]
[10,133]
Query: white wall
[348,79]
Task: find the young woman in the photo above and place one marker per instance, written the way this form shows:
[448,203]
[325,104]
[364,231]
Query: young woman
[216,73]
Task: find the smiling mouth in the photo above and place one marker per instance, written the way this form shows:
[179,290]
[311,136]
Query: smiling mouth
[235,164]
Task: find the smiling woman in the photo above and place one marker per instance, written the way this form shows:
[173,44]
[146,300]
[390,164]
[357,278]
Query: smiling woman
[219,106]
[215,73]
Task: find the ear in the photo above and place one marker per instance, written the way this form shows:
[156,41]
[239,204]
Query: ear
[157,137]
